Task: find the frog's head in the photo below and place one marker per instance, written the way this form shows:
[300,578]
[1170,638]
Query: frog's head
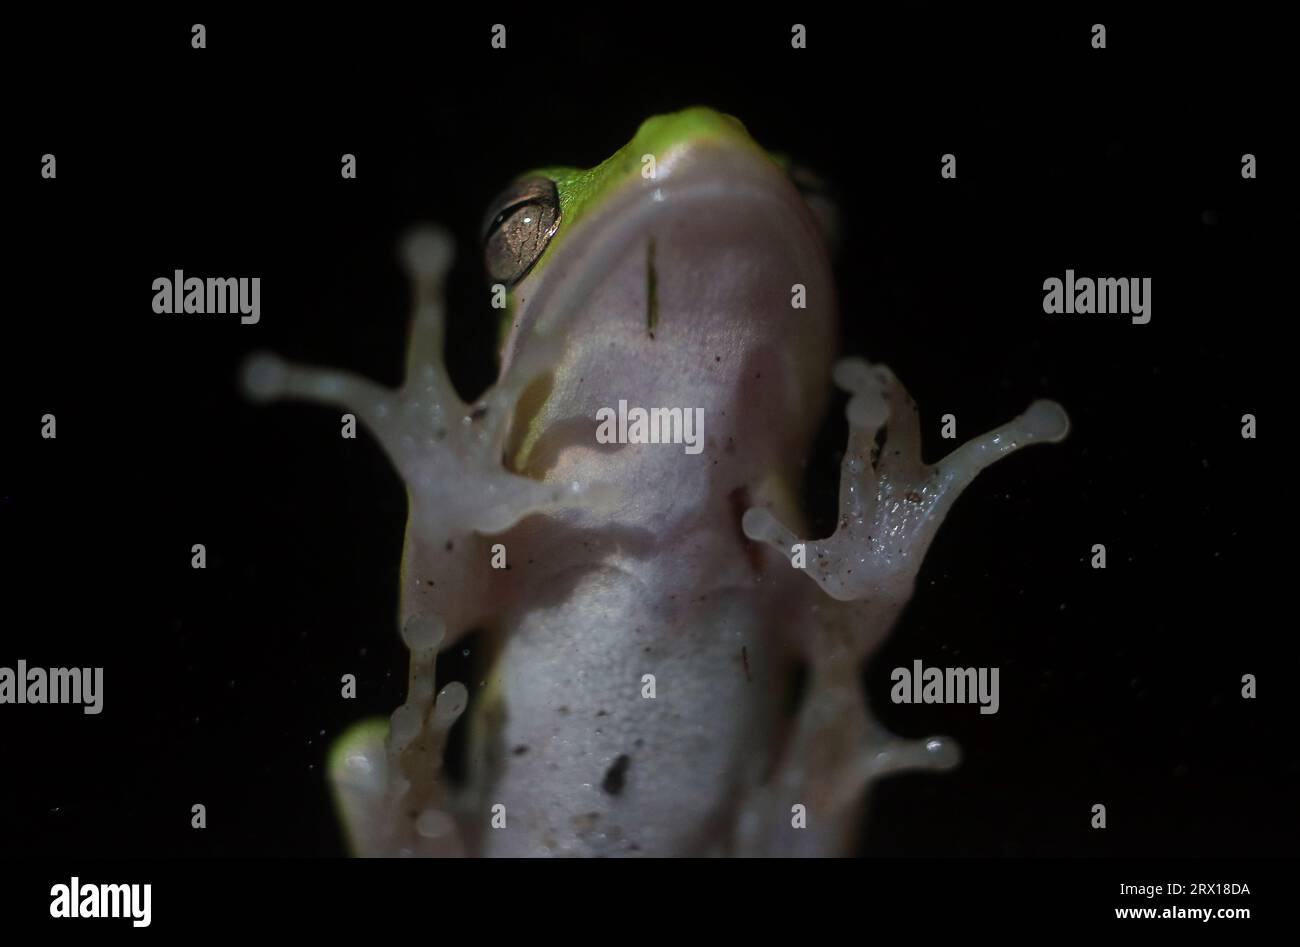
[690,255]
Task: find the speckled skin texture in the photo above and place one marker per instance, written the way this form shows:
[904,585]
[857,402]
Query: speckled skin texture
[628,560]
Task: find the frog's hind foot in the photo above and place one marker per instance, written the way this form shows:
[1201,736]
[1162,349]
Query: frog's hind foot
[812,802]
[891,503]
[388,778]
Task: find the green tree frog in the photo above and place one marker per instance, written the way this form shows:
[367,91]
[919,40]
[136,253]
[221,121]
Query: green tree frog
[675,669]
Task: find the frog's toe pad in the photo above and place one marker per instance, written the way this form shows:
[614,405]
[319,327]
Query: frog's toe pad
[358,775]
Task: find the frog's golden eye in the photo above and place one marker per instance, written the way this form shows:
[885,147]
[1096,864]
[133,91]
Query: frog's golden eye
[521,223]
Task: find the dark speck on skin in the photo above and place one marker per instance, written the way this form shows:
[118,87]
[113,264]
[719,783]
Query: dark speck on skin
[615,775]
[520,750]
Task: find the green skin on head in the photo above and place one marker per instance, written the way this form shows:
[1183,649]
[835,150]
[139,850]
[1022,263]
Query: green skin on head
[582,190]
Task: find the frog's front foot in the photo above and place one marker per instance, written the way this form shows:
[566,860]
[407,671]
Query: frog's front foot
[891,502]
[448,452]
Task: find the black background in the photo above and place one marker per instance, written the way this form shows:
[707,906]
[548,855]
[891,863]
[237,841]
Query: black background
[221,686]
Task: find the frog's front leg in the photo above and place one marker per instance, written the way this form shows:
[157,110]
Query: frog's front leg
[449,454]
[891,504]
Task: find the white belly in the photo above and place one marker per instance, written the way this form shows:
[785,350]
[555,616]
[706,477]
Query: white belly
[583,759]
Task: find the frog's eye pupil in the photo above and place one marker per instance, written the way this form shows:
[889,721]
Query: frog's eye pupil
[523,220]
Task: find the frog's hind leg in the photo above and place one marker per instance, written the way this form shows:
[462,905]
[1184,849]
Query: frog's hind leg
[810,805]
[891,504]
